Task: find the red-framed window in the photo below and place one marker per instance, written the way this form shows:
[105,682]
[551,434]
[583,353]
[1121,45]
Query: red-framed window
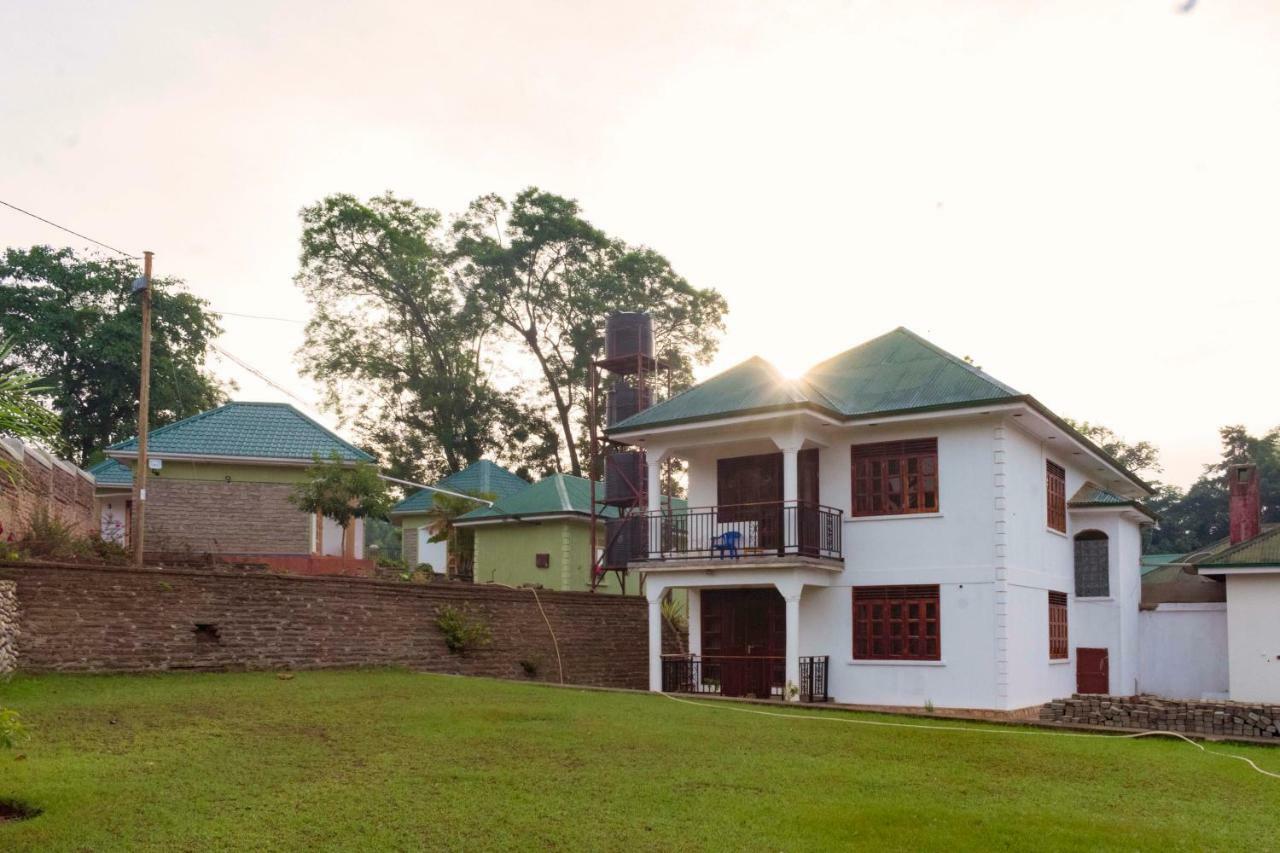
[896,623]
[1057,625]
[895,477]
[1055,477]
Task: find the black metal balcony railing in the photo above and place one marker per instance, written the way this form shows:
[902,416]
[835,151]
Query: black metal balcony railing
[752,677]
[728,532]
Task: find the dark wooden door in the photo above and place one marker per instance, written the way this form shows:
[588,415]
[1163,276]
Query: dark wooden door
[1093,671]
[749,492]
[744,640]
[807,519]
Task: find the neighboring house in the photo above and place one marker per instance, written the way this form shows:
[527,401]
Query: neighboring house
[412,514]
[906,530]
[541,536]
[113,500]
[1249,563]
[220,483]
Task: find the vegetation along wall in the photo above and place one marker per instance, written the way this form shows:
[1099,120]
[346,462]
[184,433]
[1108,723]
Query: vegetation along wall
[82,619]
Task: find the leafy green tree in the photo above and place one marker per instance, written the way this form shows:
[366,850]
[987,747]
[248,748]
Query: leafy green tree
[401,354]
[549,278]
[21,414]
[342,491]
[76,325]
[445,510]
[1140,457]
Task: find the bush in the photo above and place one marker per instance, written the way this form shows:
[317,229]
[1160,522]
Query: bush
[462,630]
[51,538]
[12,732]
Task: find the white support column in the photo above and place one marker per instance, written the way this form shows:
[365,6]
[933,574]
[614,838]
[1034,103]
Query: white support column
[654,593]
[793,646]
[790,591]
[694,618]
[790,473]
[653,488]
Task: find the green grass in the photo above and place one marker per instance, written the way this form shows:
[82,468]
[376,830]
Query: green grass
[396,760]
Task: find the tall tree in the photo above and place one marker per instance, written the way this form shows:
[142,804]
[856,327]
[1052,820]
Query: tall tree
[549,278]
[1140,457]
[401,354]
[75,324]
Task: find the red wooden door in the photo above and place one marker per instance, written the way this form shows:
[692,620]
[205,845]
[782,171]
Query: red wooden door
[744,638]
[1093,673]
[749,493]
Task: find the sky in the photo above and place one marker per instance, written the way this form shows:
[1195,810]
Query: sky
[1080,195]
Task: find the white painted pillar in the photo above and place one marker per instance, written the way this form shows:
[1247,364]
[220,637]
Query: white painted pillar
[790,473]
[695,621]
[653,488]
[793,645]
[654,483]
[654,594]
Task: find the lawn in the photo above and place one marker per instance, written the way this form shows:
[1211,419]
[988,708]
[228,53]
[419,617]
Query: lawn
[384,759]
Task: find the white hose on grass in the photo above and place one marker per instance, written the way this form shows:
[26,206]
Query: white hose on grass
[831,718]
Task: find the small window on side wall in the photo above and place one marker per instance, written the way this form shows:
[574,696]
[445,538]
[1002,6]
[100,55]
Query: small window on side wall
[1058,644]
[542,561]
[1093,576]
[1056,489]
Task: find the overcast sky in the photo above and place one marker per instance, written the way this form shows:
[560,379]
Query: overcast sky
[1082,196]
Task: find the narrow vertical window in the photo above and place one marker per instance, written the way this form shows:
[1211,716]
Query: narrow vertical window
[1058,644]
[1056,486]
[1092,566]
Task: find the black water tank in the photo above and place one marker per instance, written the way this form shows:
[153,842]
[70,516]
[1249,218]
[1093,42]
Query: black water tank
[628,334]
[625,475]
[625,541]
[626,400]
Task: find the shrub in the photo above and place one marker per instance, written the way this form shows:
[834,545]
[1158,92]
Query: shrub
[12,732]
[51,538]
[462,629]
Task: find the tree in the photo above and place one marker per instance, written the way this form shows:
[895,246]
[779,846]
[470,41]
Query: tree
[342,491]
[549,278]
[76,325]
[445,509]
[401,354]
[1140,457]
[21,414]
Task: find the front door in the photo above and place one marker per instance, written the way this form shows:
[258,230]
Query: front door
[744,640]
[1093,672]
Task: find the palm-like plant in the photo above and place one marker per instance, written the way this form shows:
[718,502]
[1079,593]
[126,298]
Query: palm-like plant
[445,510]
[21,414]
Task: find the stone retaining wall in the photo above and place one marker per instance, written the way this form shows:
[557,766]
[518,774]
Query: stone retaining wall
[1153,712]
[94,619]
[8,627]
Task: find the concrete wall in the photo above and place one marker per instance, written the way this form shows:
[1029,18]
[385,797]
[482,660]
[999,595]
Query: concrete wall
[1184,651]
[128,620]
[213,516]
[1253,637]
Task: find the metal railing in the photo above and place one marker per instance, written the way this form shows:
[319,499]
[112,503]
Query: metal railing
[730,532]
[752,677]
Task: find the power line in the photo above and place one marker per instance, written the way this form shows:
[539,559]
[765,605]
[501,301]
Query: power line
[68,230]
[259,317]
[258,373]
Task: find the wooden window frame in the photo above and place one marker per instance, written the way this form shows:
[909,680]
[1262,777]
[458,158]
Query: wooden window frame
[1059,639]
[912,464]
[893,623]
[1055,477]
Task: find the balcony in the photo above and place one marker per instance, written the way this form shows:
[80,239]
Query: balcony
[750,677]
[734,534]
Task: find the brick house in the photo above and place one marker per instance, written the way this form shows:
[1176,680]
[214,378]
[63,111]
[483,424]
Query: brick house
[219,486]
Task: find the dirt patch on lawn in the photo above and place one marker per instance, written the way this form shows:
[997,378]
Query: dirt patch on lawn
[16,810]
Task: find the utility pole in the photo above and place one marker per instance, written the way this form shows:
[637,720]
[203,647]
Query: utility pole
[144,409]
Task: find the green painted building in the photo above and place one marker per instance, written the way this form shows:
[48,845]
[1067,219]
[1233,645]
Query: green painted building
[541,535]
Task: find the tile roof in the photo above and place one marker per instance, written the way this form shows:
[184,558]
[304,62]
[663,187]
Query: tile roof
[256,430]
[898,371]
[481,477]
[110,472]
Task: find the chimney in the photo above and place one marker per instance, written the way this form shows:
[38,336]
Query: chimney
[1246,503]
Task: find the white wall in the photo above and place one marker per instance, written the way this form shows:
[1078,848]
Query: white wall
[112,518]
[331,538]
[1253,636]
[434,553]
[1184,650]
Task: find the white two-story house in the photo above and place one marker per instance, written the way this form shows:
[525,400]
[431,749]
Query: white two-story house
[894,528]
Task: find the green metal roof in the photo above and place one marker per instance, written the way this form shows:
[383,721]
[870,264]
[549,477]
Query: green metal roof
[1151,562]
[110,472]
[559,494]
[251,430]
[1093,495]
[481,477]
[898,371]
[1261,551]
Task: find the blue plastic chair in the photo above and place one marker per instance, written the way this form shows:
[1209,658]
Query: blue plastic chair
[727,544]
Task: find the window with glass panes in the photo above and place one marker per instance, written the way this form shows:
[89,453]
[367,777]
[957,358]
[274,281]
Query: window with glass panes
[895,477]
[896,623]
